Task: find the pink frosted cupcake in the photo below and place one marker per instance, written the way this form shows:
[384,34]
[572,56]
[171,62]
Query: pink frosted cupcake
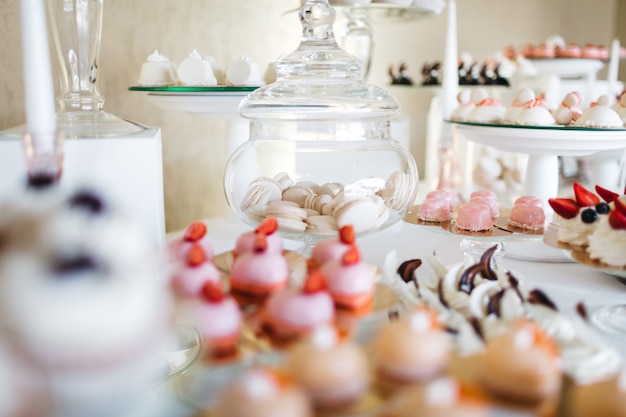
[291,313]
[245,242]
[332,249]
[350,281]
[260,272]
[195,233]
[474,217]
[218,319]
[198,269]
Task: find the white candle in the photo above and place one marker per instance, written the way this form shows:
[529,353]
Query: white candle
[38,88]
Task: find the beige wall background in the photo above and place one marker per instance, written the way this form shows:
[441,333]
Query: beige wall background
[194,147]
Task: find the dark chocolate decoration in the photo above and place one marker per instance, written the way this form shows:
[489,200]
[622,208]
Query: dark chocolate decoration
[87,200]
[450,330]
[495,303]
[489,273]
[515,285]
[466,281]
[393,315]
[41,180]
[582,311]
[407,269]
[537,296]
[68,266]
[440,293]
[476,326]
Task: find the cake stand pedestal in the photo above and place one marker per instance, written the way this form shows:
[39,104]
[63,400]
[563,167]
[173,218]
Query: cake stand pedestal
[543,145]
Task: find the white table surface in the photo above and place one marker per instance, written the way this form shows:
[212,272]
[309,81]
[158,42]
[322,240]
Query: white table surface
[566,283]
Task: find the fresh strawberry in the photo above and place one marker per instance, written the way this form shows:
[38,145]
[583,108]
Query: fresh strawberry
[564,207]
[269,226]
[620,204]
[196,255]
[212,291]
[617,220]
[260,243]
[584,197]
[315,282]
[607,195]
[352,256]
[195,231]
[346,234]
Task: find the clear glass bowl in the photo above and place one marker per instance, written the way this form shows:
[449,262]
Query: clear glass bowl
[320,124]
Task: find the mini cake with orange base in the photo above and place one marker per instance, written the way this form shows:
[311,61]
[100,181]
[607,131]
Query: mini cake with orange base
[414,348]
[259,273]
[262,392]
[443,397]
[350,281]
[194,234]
[218,318]
[246,241]
[606,398]
[189,279]
[333,372]
[332,249]
[521,365]
[292,313]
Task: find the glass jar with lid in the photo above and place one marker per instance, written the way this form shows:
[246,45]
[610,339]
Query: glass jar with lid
[320,153]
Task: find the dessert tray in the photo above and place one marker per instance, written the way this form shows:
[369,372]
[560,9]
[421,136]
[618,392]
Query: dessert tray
[579,254]
[217,101]
[567,67]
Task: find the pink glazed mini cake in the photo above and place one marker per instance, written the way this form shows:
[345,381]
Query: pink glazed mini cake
[290,313]
[350,281]
[527,213]
[260,272]
[198,269]
[245,242]
[474,217]
[332,249]
[218,319]
[489,198]
[437,207]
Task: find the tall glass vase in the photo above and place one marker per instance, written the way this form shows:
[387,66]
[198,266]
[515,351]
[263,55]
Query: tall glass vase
[76,29]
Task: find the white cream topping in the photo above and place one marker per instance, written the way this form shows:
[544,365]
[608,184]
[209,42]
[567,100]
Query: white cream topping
[608,245]
[157,57]
[574,231]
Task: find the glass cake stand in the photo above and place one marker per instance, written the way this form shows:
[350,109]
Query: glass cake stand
[475,244]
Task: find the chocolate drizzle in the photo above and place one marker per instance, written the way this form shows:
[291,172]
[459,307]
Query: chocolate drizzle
[494,304]
[537,296]
[466,281]
[477,328]
[442,299]
[582,311]
[88,201]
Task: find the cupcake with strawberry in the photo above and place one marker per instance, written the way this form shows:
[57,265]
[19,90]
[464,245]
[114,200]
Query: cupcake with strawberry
[194,234]
[607,243]
[329,250]
[578,217]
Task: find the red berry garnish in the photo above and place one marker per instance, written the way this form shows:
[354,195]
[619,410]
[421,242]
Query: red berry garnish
[617,219]
[620,204]
[196,255]
[195,231]
[564,207]
[260,244]
[352,256]
[584,197]
[607,195]
[347,235]
[315,282]
[212,291]
[269,226]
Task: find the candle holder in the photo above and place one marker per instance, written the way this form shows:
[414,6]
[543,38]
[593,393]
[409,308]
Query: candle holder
[76,28]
